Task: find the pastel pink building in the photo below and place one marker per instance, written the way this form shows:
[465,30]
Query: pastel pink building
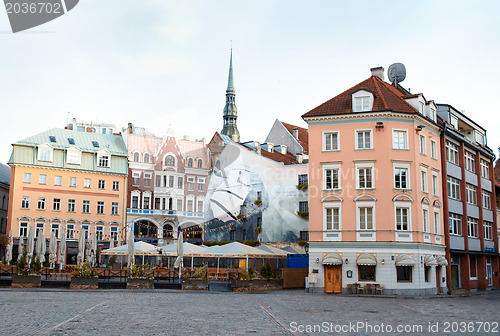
[375,191]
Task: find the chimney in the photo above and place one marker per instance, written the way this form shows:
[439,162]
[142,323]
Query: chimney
[270,147]
[378,71]
[186,137]
[296,133]
[283,149]
[299,157]
[130,128]
[257,147]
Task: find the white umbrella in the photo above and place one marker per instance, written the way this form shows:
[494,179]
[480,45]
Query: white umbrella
[8,254]
[180,253]
[93,249]
[20,249]
[131,250]
[40,246]
[52,249]
[81,247]
[62,251]
[30,245]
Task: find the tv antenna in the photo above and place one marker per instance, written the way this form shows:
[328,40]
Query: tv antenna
[397,73]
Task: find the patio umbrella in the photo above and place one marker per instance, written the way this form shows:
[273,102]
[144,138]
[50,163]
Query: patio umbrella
[81,248]
[93,249]
[40,246]
[180,253]
[8,254]
[20,249]
[131,250]
[30,245]
[52,249]
[62,251]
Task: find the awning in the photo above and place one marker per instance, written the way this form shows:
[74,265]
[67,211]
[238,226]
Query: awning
[332,259]
[430,261]
[442,261]
[405,260]
[366,259]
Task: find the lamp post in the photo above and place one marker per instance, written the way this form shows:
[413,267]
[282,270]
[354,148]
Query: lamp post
[306,248]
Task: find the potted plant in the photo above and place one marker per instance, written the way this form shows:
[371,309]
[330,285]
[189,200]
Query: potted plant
[139,277]
[258,202]
[303,213]
[84,275]
[25,277]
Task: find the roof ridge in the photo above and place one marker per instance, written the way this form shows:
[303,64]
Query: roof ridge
[379,91]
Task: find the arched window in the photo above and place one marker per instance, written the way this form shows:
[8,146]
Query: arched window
[200,163]
[190,162]
[169,161]
[136,157]
[146,157]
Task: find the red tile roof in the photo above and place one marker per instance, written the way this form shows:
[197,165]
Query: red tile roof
[286,159]
[303,135]
[386,98]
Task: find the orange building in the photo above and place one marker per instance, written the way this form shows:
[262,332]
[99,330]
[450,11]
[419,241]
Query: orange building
[375,191]
[69,182]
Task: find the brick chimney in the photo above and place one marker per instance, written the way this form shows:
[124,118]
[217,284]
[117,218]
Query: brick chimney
[130,128]
[378,71]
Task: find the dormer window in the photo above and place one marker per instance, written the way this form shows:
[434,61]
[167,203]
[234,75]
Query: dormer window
[45,153]
[52,138]
[74,156]
[103,159]
[71,141]
[421,108]
[362,101]
[454,121]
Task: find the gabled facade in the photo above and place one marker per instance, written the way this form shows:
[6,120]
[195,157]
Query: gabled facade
[71,183]
[4,196]
[168,179]
[375,194]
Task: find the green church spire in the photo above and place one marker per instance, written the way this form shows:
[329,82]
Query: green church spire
[230,111]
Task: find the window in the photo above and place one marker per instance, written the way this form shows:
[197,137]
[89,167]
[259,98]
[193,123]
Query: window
[52,138]
[488,230]
[146,201]
[86,207]
[71,141]
[72,181]
[179,205]
[401,178]
[303,179]
[99,231]
[435,185]
[366,273]
[85,231]
[74,156]
[425,219]
[190,186]
[421,108]
[259,195]
[454,121]
[95,144]
[433,149]
[158,181]
[232,235]
[453,188]
[135,202]
[402,219]
[200,163]
[71,205]
[169,161]
[200,186]
[473,267]
[472,224]
[304,206]
[87,183]
[103,159]
[331,141]
[114,207]
[361,104]
[433,114]
[23,229]
[471,192]
[70,231]
[451,152]
[114,232]
[135,178]
[190,162]
[39,226]
[332,216]
[180,182]
[455,224]
[55,229]
[190,205]
[470,162]
[399,139]
[171,181]
[436,223]
[365,218]
[27,178]
[423,175]
[147,179]
[146,158]
[45,153]
[136,157]
[365,178]
[200,206]
[57,180]
[25,202]
[479,137]
[486,200]
[364,139]
[404,273]
[41,203]
[100,207]
[101,184]
[423,150]
[485,169]
[56,204]
[42,179]
[331,178]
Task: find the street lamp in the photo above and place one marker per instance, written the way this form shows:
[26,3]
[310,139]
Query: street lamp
[306,248]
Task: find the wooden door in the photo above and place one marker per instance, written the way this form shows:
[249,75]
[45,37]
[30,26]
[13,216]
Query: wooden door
[333,279]
[438,279]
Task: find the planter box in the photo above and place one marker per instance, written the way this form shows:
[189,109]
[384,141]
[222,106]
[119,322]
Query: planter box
[139,283]
[194,284]
[243,285]
[26,280]
[82,281]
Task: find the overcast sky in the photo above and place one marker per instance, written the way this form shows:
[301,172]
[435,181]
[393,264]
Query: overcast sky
[160,62]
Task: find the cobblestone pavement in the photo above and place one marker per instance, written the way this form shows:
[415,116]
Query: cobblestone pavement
[169,312]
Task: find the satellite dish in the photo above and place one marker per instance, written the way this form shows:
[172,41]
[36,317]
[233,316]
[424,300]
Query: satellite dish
[397,73]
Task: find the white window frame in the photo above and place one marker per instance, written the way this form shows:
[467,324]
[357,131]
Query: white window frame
[41,201]
[114,208]
[454,121]
[58,180]
[356,139]
[399,131]
[101,156]
[25,202]
[331,166]
[45,153]
[23,228]
[452,150]
[100,208]
[72,182]
[116,185]
[485,169]
[488,230]
[453,188]
[87,183]
[470,161]
[331,143]
[56,228]
[437,221]
[457,223]
[365,204]
[402,166]
[101,184]
[434,149]
[435,184]
[332,206]
[70,231]
[486,196]
[471,194]
[42,179]
[424,183]
[86,205]
[359,167]
[54,204]
[407,207]
[362,101]
[472,227]
[425,219]
[27,178]
[99,232]
[71,205]
[74,156]
[423,144]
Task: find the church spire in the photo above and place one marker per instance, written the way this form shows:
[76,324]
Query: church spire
[230,111]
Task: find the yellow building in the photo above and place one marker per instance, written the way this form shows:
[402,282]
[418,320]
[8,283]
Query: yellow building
[69,182]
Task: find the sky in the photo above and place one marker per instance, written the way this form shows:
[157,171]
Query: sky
[161,63]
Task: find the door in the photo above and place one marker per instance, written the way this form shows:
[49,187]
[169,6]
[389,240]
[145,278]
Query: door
[455,276]
[489,273]
[438,278]
[333,279]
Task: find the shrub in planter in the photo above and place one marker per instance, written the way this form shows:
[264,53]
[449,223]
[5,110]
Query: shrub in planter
[36,265]
[266,270]
[303,213]
[258,202]
[84,270]
[302,187]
